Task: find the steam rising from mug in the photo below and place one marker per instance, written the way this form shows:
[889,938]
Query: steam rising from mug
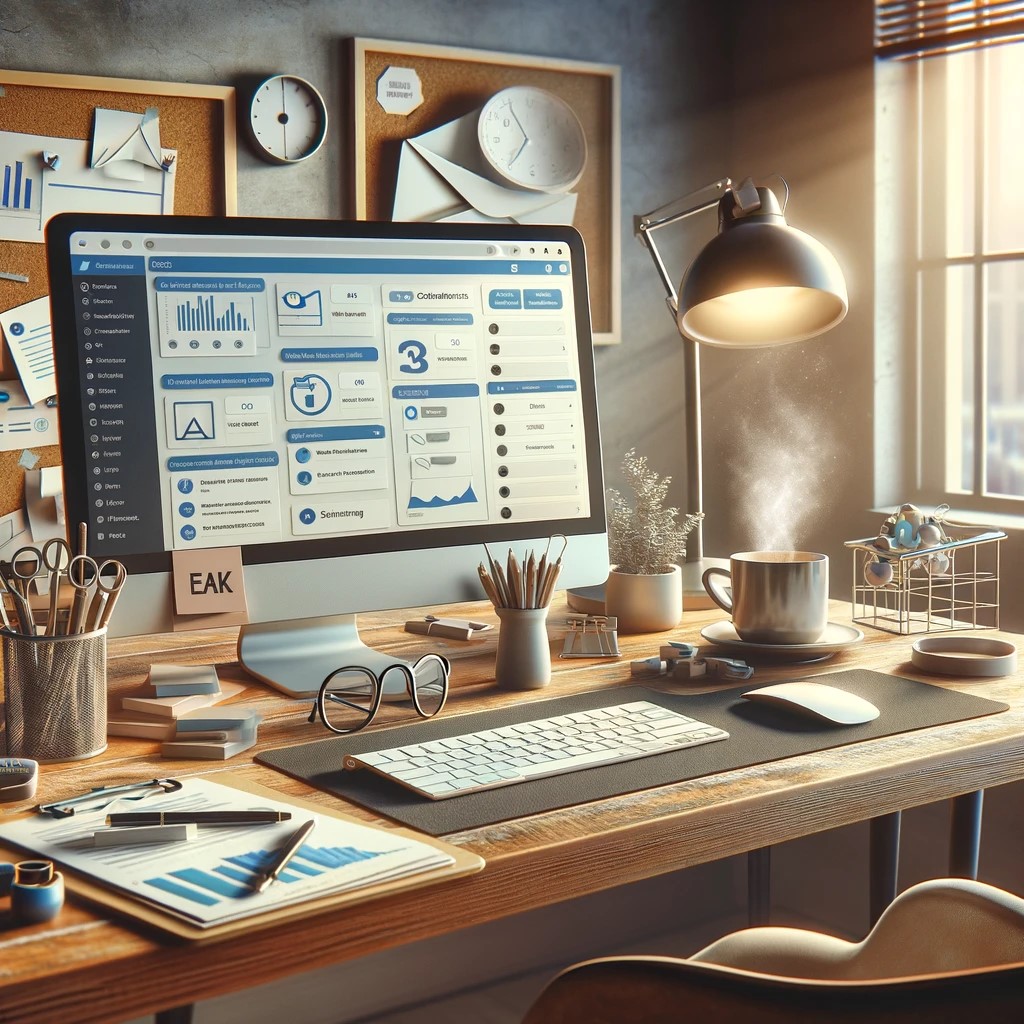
[784,455]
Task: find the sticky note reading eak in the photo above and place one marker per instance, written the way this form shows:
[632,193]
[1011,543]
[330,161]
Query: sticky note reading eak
[208,581]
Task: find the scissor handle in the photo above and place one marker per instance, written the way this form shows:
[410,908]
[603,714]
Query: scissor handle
[83,572]
[21,555]
[120,575]
[61,560]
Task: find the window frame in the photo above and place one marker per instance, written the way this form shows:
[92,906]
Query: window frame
[931,414]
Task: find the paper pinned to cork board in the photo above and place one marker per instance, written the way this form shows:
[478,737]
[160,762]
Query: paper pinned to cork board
[442,177]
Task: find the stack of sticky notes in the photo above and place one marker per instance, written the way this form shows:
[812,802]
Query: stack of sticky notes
[174,692]
[212,734]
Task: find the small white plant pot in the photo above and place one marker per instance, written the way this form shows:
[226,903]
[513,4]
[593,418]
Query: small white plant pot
[645,604]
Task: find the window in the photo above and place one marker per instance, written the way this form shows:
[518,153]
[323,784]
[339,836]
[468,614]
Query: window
[958,202]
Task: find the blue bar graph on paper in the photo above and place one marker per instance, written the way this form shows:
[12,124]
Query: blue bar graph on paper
[232,877]
[17,187]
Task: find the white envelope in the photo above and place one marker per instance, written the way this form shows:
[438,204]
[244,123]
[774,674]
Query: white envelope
[442,177]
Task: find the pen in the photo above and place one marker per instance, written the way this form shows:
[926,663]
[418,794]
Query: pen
[197,818]
[284,856]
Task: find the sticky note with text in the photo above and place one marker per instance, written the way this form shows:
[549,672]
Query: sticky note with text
[208,581]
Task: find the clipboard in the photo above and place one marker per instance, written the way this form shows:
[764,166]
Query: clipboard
[117,902]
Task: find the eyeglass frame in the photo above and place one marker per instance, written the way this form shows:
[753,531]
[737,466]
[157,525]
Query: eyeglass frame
[408,672]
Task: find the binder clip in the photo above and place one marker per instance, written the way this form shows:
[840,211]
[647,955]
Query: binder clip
[591,636]
[680,661]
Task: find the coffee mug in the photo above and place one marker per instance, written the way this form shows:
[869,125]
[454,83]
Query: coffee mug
[778,597]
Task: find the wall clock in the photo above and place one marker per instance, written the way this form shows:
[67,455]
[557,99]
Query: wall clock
[532,139]
[287,119]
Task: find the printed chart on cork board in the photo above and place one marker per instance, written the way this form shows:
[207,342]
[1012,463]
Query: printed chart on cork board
[74,142]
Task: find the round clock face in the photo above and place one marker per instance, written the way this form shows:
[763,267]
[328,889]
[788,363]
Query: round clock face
[531,139]
[288,119]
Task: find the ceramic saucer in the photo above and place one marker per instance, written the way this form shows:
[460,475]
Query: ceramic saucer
[835,638]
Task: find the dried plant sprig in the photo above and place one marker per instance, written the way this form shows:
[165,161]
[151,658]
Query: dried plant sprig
[645,537]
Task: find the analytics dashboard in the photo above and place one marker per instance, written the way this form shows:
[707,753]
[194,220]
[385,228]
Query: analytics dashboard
[259,390]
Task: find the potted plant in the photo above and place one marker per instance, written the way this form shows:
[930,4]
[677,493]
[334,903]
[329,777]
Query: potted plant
[646,540]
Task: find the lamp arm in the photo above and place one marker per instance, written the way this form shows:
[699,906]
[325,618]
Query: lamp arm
[671,213]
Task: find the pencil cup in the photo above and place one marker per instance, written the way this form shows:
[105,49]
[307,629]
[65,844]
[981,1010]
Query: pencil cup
[524,654]
[55,695]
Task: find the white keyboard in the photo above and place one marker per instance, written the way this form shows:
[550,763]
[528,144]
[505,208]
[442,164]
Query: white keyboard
[450,767]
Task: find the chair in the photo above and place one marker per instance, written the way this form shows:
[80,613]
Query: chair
[949,950]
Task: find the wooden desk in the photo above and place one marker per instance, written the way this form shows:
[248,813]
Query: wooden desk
[86,966]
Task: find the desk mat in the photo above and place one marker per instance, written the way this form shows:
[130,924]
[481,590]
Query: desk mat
[758,733]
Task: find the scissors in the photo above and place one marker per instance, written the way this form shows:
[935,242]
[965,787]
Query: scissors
[26,565]
[106,595]
[84,574]
[52,561]
[22,611]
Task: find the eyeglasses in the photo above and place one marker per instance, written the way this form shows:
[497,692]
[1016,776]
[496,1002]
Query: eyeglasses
[349,697]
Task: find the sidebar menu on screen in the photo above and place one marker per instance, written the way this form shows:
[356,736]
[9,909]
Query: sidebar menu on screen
[115,363]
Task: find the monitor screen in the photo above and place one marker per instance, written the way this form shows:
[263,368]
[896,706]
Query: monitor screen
[358,406]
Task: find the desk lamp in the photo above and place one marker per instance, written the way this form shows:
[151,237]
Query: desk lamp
[756,284]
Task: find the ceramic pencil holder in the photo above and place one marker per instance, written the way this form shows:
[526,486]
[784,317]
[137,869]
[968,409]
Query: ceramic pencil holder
[523,660]
[55,695]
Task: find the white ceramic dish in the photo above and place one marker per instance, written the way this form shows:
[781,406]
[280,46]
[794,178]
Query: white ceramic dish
[835,638]
[975,656]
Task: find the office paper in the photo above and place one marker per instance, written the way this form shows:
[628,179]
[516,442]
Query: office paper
[29,337]
[23,424]
[209,880]
[34,189]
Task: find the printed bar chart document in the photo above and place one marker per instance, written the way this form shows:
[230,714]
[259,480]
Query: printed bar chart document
[212,879]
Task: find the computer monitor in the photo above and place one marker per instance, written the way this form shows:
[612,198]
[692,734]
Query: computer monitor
[358,406]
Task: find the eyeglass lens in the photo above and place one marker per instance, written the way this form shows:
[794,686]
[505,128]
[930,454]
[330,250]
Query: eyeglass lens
[349,698]
[430,685]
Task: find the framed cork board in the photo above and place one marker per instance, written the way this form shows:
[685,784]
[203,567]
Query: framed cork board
[196,121]
[436,85]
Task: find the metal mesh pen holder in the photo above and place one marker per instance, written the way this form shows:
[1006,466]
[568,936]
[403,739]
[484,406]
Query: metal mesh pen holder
[55,695]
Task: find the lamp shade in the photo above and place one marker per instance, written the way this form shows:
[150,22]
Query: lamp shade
[759,282]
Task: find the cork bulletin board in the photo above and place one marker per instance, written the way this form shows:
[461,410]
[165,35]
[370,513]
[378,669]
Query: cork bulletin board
[458,81]
[196,120]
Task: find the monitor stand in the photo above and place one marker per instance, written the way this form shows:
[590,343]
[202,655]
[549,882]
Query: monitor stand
[296,656]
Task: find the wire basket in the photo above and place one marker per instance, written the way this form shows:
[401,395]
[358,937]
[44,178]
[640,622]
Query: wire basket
[923,599]
[55,695]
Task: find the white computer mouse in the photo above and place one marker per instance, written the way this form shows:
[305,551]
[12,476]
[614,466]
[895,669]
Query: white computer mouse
[817,700]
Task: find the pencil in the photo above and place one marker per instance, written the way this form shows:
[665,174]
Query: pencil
[531,581]
[515,580]
[488,585]
[499,580]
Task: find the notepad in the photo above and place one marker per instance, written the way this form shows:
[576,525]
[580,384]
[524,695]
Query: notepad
[175,707]
[182,680]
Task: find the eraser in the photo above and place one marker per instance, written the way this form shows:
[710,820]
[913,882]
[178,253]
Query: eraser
[18,778]
[137,836]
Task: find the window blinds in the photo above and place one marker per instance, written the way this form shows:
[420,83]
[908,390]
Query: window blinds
[912,29]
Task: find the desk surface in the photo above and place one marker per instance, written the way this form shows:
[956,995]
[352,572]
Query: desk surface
[88,966]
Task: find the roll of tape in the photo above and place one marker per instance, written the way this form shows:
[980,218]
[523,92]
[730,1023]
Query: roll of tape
[974,656]
[33,904]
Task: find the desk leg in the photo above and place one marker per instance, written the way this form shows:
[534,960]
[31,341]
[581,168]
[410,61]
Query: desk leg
[176,1015]
[884,861]
[759,886]
[965,835]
